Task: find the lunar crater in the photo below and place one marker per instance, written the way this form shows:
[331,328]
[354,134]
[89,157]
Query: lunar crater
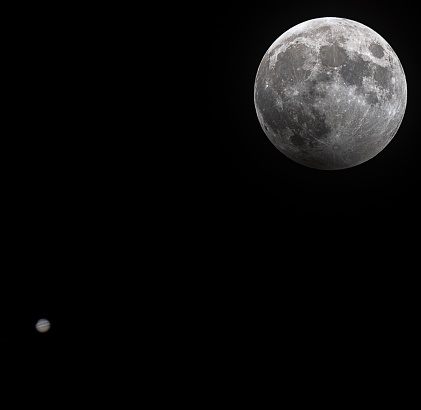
[376,50]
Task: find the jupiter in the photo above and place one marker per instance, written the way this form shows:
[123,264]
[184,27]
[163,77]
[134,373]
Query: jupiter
[43,325]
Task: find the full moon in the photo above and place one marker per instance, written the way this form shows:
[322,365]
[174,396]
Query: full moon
[43,325]
[330,93]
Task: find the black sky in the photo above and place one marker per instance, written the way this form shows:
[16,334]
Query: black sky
[233,209]
[261,211]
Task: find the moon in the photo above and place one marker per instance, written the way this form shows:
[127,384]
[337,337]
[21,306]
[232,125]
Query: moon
[330,93]
[43,325]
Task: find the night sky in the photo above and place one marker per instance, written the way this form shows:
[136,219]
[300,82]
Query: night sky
[231,222]
[267,230]
[51,188]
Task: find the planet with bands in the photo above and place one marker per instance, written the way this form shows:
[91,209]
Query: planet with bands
[330,93]
[43,325]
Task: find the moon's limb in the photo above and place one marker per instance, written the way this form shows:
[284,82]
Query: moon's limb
[330,93]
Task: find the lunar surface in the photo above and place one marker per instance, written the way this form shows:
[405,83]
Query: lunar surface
[330,93]
[43,325]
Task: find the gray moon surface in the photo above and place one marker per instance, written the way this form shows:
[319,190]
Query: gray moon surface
[330,93]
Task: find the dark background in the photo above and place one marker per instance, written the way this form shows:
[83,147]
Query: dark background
[246,202]
[275,241]
[56,188]
[231,225]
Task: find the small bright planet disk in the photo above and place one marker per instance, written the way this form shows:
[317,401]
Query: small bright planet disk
[43,325]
